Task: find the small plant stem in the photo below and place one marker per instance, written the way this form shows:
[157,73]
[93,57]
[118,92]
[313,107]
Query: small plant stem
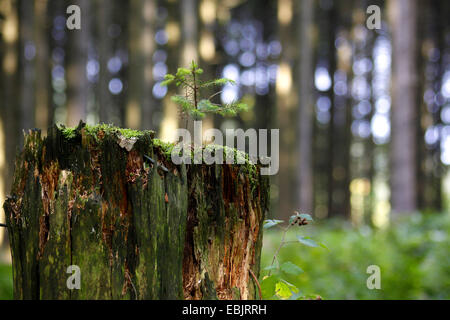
[186,122]
[282,243]
[293,241]
[215,94]
[257,283]
[195,89]
[187,84]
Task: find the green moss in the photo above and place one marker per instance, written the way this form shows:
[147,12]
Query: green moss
[240,158]
[130,133]
[68,133]
[110,129]
[93,130]
[166,147]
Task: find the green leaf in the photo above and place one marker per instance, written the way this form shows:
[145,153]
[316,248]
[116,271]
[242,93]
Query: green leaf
[290,268]
[168,79]
[271,268]
[323,246]
[196,114]
[306,216]
[185,104]
[166,82]
[206,105]
[270,223]
[268,285]
[282,290]
[217,82]
[227,111]
[285,290]
[307,241]
[290,285]
[183,71]
[296,296]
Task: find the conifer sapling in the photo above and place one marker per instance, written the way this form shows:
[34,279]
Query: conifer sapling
[192,103]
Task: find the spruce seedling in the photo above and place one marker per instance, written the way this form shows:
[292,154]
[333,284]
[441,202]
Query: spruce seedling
[192,103]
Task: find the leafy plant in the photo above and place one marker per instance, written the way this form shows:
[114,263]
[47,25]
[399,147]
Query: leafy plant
[274,284]
[192,103]
[412,253]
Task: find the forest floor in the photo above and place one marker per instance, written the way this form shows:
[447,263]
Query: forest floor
[412,255]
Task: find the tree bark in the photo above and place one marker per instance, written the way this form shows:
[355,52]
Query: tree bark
[305,170]
[286,100]
[27,69]
[136,225]
[141,46]
[77,58]
[10,115]
[403,16]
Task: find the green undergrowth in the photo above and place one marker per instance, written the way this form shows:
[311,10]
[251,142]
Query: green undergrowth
[412,253]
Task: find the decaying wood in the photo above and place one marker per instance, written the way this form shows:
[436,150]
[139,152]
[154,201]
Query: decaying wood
[138,226]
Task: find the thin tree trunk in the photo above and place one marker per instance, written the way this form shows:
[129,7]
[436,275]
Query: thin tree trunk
[140,101]
[332,146]
[26,56]
[403,17]
[42,76]
[9,92]
[170,121]
[306,107]
[109,111]
[189,38]
[285,101]
[77,57]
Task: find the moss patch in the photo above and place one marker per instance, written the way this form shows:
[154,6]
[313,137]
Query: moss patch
[240,158]
[166,147]
[69,133]
[93,130]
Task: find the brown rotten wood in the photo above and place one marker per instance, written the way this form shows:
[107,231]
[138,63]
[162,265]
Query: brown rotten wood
[138,226]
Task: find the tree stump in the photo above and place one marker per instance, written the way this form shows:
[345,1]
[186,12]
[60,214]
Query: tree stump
[111,202]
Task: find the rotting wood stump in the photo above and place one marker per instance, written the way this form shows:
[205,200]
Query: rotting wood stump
[111,202]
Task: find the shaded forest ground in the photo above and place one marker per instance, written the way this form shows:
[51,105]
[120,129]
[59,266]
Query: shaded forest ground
[412,254]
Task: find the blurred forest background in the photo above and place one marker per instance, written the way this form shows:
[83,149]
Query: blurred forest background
[364,115]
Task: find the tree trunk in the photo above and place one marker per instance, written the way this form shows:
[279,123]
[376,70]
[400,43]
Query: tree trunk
[42,108]
[305,170]
[189,36]
[286,99]
[141,46]
[77,58]
[26,70]
[10,116]
[137,226]
[403,15]
[331,16]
